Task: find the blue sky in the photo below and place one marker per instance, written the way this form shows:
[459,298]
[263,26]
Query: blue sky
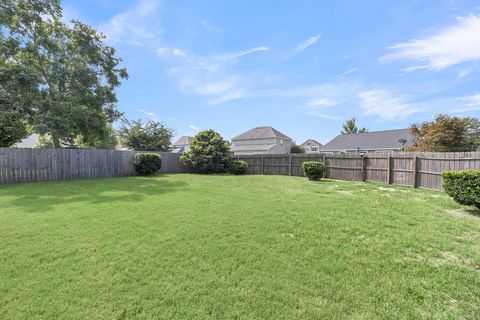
[302,67]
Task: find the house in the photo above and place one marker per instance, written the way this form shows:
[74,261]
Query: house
[377,141]
[261,140]
[182,145]
[311,146]
[29,142]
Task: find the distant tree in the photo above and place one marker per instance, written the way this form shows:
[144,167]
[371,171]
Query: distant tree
[446,134]
[350,127]
[18,98]
[75,71]
[209,153]
[296,148]
[152,136]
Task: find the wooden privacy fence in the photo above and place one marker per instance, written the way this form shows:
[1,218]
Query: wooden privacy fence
[419,170]
[27,165]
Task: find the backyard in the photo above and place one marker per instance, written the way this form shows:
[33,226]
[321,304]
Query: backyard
[189,246]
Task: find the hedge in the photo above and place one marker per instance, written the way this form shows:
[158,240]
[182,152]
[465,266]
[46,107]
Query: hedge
[313,170]
[147,163]
[238,167]
[463,186]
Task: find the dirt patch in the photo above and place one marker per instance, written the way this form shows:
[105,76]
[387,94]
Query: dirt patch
[469,214]
[448,258]
[439,196]
[386,189]
[344,192]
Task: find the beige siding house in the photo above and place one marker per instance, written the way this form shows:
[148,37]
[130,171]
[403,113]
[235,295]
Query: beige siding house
[182,145]
[261,140]
[311,146]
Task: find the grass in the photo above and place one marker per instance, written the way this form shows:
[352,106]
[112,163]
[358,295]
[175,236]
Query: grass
[235,247]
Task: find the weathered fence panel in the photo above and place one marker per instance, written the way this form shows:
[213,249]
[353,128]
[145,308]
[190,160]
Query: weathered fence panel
[27,165]
[421,170]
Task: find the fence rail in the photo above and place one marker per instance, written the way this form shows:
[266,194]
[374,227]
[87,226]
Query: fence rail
[422,170]
[29,165]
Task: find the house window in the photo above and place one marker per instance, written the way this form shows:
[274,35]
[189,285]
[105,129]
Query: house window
[314,148]
[281,143]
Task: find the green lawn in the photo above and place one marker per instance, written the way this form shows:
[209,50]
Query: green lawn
[235,247]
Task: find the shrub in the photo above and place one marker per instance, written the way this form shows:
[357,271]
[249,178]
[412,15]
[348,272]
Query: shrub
[209,153]
[463,186]
[147,163]
[313,170]
[238,167]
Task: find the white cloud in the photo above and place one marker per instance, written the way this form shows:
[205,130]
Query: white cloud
[150,115]
[194,127]
[133,26]
[384,104]
[246,52]
[324,115]
[346,73]
[209,76]
[451,46]
[322,102]
[463,73]
[468,104]
[304,45]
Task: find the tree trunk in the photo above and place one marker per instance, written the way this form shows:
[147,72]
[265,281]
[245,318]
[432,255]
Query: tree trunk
[56,142]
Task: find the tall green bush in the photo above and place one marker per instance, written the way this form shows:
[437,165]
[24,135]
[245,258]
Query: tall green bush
[209,153]
[463,186]
[313,170]
[147,163]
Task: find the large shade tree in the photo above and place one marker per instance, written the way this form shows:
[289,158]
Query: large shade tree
[77,73]
[18,98]
[446,134]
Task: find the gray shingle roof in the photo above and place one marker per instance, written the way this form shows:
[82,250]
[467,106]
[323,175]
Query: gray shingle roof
[261,133]
[183,141]
[371,140]
[310,141]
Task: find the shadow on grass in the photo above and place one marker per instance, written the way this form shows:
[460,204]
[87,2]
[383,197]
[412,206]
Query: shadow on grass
[474,212]
[43,196]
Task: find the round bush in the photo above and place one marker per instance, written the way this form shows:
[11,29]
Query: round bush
[313,170]
[463,186]
[238,167]
[147,163]
[209,153]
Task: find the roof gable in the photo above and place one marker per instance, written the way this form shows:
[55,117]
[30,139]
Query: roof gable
[183,141]
[261,133]
[371,140]
[310,142]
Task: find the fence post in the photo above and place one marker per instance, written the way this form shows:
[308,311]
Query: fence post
[263,165]
[389,169]
[290,168]
[362,156]
[325,163]
[414,171]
